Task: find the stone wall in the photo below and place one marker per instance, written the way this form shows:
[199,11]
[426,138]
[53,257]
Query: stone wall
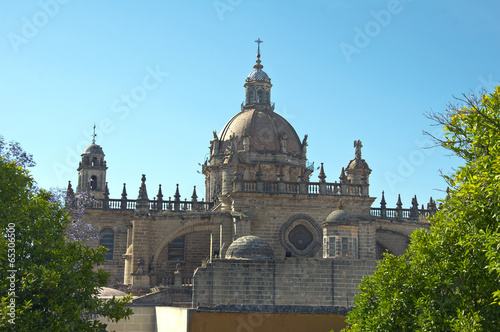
[294,281]
[116,220]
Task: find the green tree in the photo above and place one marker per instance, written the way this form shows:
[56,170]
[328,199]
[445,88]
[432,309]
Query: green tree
[449,278]
[48,283]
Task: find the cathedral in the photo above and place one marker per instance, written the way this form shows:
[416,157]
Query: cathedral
[267,231]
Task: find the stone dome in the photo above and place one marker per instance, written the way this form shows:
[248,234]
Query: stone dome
[258,75]
[358,164]
[341,216]
[250,247]
[93,149]
[265,130]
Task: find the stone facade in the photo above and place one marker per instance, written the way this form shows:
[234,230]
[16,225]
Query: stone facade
[324,236]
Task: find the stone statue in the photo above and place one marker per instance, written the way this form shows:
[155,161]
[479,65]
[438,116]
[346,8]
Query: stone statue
[304,145]
[358,146]
[283,140]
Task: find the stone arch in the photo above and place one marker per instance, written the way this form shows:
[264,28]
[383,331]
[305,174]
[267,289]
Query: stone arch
[393,241]
[184,230]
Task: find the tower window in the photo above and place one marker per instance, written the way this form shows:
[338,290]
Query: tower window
[107,241]
[250,97]
[345,246]
[259,96]
[93,182]
[332,246]
[176,249]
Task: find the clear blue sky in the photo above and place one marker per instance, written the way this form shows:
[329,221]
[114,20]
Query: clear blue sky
[342,70]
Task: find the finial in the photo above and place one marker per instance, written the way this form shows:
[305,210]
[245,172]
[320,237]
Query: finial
[340,206]
[414,202]
[322,175]
[258,66]
[177,195]
[399,204]
[124,192]
[94,135]
[383,202]
[160,194]
[194,197]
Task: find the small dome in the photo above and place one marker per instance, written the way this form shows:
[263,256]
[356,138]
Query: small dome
[258,75]
[93,149]
[358,164]
[250,247]
[341,216]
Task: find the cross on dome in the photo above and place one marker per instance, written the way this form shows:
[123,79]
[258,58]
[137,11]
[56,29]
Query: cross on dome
[94,135]
[258,41]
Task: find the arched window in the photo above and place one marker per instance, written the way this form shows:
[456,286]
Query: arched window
[250,97]
[107,241]
[259,96]
[176,249]
[93,182]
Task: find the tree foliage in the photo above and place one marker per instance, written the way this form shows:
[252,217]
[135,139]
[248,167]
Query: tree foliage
[449,278]
[48,283]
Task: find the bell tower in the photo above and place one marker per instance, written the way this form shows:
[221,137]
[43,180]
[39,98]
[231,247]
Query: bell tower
[92,170]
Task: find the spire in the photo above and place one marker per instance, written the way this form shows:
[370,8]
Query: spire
[342,177]
[159,199]
[142,204]
[399,204]
[177,196]
[177,199]
[258,65]
[124,192]
[160,194]
[414,202]
[194,197]
[383,204]
[322,175]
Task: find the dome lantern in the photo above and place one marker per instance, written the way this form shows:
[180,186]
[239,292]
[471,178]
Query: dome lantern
[258,87]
